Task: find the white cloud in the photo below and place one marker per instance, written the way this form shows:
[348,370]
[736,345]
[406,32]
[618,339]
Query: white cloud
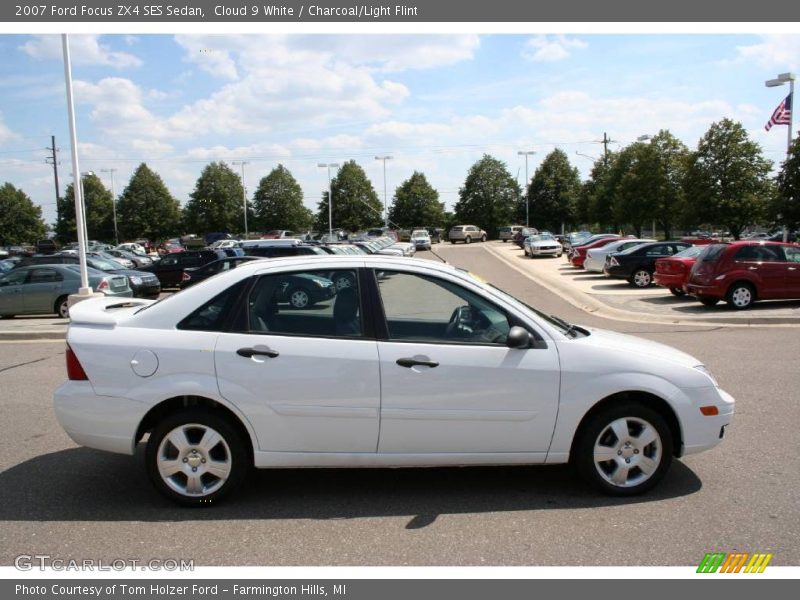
[6,135]
[774,51]
[84,50]
[544,48]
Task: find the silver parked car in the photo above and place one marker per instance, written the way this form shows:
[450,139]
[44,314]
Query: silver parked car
[542,244]
[467,234]
[44,289]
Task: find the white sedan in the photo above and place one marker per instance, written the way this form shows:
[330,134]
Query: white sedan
[542,244]
[417,364]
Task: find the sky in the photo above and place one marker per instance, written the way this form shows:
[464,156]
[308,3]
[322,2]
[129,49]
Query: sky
[435,103]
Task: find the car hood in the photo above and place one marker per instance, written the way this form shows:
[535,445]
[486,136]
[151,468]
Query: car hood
[614,342]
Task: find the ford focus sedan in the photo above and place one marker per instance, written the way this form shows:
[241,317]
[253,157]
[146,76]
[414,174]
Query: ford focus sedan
[228,375]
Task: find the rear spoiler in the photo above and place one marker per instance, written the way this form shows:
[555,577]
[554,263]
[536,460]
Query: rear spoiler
[105,311]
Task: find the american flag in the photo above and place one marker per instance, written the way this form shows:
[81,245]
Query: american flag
[782,114]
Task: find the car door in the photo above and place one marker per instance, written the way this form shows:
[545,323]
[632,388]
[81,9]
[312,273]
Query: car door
[41,289]
[449,383]
[308,378]
[11,289]
[792,271]
[766,266]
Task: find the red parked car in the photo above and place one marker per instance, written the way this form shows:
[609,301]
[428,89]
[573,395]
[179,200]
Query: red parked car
[577,254]
[672,272]
[745,271]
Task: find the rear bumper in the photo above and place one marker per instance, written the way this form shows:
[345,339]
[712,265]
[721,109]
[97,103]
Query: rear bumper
[101,422]
[705,291]
[146,290]
[668,280]
[616,272]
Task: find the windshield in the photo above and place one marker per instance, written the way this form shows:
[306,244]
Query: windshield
[103,264]
[690,252]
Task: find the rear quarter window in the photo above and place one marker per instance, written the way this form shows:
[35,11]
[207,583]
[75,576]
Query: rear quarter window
[712,253]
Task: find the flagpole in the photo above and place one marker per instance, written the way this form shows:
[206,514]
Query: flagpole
[789,143]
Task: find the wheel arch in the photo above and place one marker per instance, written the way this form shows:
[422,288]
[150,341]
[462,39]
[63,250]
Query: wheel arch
[652,401]
[170,405]
[750,283]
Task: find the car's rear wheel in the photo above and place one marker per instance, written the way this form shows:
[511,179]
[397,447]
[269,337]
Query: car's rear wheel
[677,292]
[641,278]
[61,307]
[624,450]
[707,301]
[196,456]
[343,281]
[467,240]
[741,296]
[299,298]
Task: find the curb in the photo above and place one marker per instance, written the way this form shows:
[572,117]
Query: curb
[588,304]
[23,335]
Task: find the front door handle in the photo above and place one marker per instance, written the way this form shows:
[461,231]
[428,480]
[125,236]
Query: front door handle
[413,362]
[793,268]
[251,352]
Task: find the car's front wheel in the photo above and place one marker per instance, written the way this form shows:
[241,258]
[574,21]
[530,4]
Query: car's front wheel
[624,450]
[468,240]
[61,307]
[299,298]
[195,457]
[677,292]
[483,238]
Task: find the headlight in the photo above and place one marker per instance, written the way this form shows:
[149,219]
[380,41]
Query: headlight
[703,369]
[323,283]
[136,280]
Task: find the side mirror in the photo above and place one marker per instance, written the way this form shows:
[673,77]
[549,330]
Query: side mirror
[518,338]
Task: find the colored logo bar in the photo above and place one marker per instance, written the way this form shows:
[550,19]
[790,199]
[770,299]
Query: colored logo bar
[736,562]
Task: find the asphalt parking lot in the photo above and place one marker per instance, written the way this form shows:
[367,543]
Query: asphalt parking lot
[71,502]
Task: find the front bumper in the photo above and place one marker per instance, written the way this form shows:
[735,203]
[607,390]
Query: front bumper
[101,422]
[702,433]
[544,252]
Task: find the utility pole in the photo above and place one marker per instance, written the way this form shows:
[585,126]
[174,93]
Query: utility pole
[244,194]
[526,154]
[113,203]
[53,160]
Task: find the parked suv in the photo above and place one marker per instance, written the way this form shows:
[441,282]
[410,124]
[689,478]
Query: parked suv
[507,233]
[466,234]
[745,271]
[169,269]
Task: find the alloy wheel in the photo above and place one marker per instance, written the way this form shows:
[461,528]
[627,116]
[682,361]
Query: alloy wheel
[299,298]
[194,460]
[628,452]
[642,278]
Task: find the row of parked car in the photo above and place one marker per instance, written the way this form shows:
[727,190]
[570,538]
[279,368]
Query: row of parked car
[42,283]
[739,272]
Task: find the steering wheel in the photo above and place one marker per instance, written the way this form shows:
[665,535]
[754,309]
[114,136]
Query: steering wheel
[460,324]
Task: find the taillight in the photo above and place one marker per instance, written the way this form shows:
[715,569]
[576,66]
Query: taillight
[75,371]
[613,262]
[103,285]
[185,276]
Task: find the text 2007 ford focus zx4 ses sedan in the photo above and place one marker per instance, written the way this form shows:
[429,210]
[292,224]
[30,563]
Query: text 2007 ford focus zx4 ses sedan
[415,364]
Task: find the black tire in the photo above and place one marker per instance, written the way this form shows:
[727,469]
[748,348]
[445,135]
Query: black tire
[467,240]
[596,430]
[504,241]
[641,278]
[741,295]
[61,307]
[452,241]
[294,297]
[483,238]
[677,292]
[234,449]
[344,280]
[7,316]
[708,301]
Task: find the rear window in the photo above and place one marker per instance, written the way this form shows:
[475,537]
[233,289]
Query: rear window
[457,229]
[505,229]
[712,253]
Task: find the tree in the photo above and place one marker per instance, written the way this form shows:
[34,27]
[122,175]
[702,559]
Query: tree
[599,190]
[216,202]
[634,195]
[355,204]
[670,162]
[785,207]
[98,205]
[416,204]
[278,203]
[489,196]
[146,208]
[727,180]
[20,219]
[553,192]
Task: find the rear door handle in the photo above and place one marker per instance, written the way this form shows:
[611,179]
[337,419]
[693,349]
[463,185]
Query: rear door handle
[251,352]
[413,362]
[793,268]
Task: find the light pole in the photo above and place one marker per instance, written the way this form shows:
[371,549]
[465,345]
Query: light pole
[244,193]
[80,217]
[113,203]
[779,81]
[85,174]
[644,138]
[526,154]
[385,209]
[329,166]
